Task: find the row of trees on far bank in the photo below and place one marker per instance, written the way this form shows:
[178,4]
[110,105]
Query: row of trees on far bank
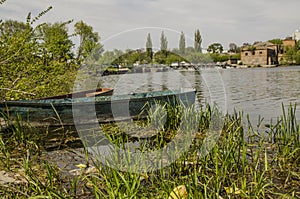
[167,56]
[163,56]
[182,45]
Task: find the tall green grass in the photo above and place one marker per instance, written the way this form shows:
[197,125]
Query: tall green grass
[245,162]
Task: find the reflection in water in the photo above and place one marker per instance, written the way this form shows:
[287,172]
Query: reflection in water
[259,91]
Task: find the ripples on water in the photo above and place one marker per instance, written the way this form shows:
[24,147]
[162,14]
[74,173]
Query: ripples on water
[258,91]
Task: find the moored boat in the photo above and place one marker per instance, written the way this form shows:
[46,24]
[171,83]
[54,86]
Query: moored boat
[87,93]
[59,110]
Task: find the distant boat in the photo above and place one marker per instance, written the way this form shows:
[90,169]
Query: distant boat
[58,110]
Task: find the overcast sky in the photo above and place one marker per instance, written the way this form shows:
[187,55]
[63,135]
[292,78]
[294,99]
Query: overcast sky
[125,23]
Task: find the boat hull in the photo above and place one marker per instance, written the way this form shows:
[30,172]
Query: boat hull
[61,112]
[87,93]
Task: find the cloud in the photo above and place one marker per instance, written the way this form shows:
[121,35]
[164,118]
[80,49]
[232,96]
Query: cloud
[219,21]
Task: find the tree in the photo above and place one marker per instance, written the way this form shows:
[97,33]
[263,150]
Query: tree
[11,27]
[55,42]
[198,41]
[88,41]
[108,57]
[233,48]
[163,42]
[216,57]
[189,50]
[174,57]
[149,51]
[16,41]
[297,57]
[197,57]
[298,45]
[23,73]
[215,48]
[182,44]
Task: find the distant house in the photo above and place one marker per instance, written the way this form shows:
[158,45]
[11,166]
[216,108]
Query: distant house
[261,53]
[288,42]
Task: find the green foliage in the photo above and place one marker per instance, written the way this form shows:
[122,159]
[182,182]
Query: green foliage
[163,42]
[242,161]
[32,21]
[139,56]
[12,27]
[298,45]
[88,41]
[199,58]
[167,57]
[17,57]
[235,56]
[149,50]
[215,48]
[161,56]
[292,56]
[189,50]
[128,58]
[182,44]
[297,58]
[276,41]
[289,54]
[54,41]
[35,60]
[198,41]
[216,57]
[233,48]
[251,48]
[110,57]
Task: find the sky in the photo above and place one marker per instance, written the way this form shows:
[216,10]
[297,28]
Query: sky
[124,24]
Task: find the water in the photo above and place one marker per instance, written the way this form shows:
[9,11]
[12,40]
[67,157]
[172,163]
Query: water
[255,91]
[262,91]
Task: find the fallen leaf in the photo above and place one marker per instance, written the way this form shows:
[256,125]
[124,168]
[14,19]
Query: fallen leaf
[81,166]
[230,190]
[179,192]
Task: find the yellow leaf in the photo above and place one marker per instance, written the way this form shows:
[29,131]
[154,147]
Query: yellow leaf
[237,191]
[81,166]
[179,192]
[144,176]
[230,190]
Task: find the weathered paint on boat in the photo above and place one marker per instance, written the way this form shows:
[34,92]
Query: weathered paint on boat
[53,112]
[87,93]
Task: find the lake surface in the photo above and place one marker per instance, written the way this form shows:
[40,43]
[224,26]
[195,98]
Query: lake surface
[255,91]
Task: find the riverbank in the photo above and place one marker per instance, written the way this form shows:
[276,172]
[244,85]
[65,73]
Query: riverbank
[244,163]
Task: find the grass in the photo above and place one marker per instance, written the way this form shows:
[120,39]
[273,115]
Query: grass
[244,163]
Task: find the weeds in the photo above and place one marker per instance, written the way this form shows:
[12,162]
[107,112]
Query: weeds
[244,163]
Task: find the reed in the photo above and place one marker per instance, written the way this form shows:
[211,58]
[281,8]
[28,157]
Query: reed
[245,162]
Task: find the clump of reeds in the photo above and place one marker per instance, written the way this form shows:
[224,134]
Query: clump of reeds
[244,161]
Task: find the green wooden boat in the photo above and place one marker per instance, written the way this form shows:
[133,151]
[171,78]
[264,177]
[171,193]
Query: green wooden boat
[87,93]
[60,110]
